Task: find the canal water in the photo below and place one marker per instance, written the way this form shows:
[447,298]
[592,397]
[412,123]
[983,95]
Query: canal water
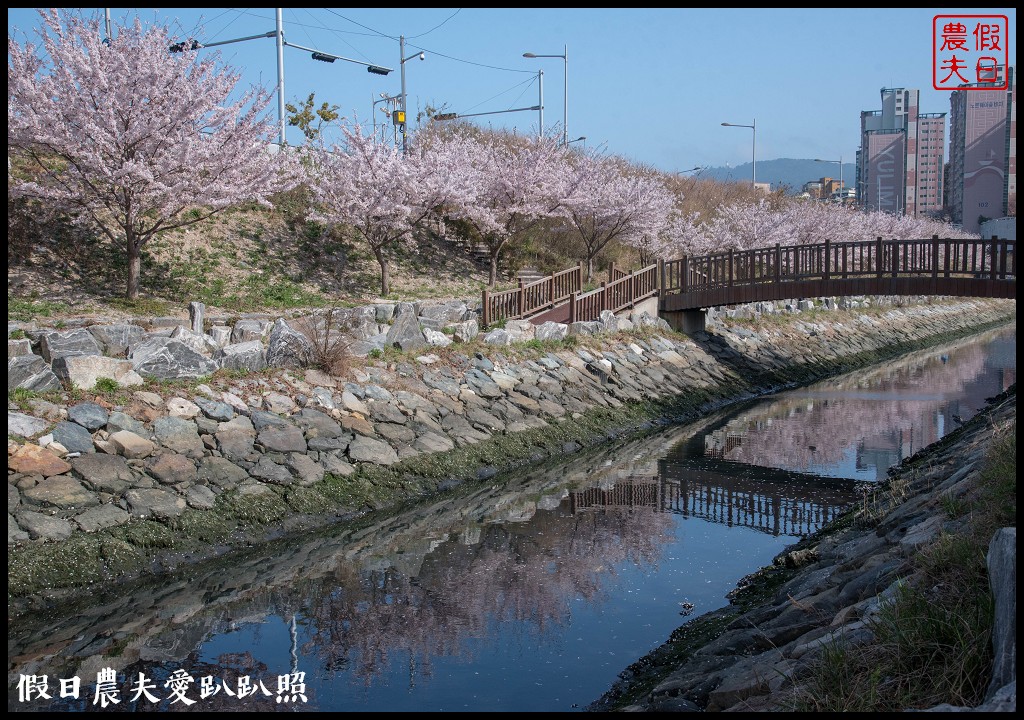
[531,592]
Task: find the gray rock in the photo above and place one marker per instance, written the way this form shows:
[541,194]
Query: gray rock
[220,472]
[269,471]
[131,445]
[167,359]
[74,437]
[200,342]
[72,342]
[101,516]
[364,449]
[14,533]
[156,503]
[305,470]
[106,473]
[61,491]
[116,339]
[200,497]
[89,415]
[16,348]
[221,335]
[1002,572]
[84,371]
[405,332]
[122,421]
[465,331]
[31,373]
[25,425]
[196,311]
[219,411]
[287,347]
[249,329]
[44,527]
[282,439]
[552,331]
[178,435]
[249,356]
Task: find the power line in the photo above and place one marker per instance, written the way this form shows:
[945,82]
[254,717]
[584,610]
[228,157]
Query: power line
[360,24]
[436,26]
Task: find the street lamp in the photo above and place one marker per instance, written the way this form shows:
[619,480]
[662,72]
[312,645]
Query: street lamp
[753,168]
[693,169]
[565,108]
[401,55]
[840,161]
[580,138]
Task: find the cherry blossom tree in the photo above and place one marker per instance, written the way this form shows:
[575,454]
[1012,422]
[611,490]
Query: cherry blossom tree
[129,137]
[375,193]
[611,203]
[515,184]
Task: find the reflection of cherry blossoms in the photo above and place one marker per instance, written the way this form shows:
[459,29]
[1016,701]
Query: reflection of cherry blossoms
[800,431]
[525,573]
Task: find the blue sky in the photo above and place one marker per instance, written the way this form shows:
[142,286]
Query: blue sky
[653,85]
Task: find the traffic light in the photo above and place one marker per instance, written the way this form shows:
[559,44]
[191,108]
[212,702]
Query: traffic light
[183,46]
[323,58]
[377,70]
[446,116]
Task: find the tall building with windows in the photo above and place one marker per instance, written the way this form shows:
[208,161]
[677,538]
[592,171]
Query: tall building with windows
[901,156]
[983,151]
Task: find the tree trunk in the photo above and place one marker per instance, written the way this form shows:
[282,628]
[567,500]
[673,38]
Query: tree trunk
[134,267]
[492,277]
[590,268]
[384,284]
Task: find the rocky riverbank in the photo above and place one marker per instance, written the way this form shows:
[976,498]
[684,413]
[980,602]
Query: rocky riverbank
[834,593]
[108,484]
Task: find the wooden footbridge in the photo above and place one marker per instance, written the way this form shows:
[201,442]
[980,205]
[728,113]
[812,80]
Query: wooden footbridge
[935,266]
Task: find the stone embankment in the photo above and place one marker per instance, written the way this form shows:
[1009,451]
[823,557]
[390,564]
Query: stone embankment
[227,449]
[827,592]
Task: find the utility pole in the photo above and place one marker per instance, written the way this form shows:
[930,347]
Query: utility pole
[280,78]
[401,56]
[540,83]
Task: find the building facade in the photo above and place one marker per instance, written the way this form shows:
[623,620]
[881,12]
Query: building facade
[901,156]
[983,152]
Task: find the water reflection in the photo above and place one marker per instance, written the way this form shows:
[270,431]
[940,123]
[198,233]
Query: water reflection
[528,593]
[862,424]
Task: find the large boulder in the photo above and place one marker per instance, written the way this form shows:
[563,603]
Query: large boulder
[287,347]
[73,342]
[83,371]
[167,359]
[405,332]
[31,373]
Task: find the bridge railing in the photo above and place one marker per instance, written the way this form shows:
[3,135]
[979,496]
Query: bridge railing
[530,299]
[993,259]
[623,292]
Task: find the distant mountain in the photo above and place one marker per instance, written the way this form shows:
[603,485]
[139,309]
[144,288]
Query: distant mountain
[786,171]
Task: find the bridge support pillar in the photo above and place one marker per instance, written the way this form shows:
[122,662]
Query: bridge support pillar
[686,321]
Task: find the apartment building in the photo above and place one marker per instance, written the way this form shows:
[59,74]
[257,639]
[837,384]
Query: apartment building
[901,156]
[983,151]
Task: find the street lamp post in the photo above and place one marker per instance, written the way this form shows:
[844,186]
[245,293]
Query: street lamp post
[753,165]
[565,100]
[405,114]
[840,161]
[581,138]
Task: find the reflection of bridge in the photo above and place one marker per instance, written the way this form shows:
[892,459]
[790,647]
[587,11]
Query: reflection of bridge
[963,268]
[776,502]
